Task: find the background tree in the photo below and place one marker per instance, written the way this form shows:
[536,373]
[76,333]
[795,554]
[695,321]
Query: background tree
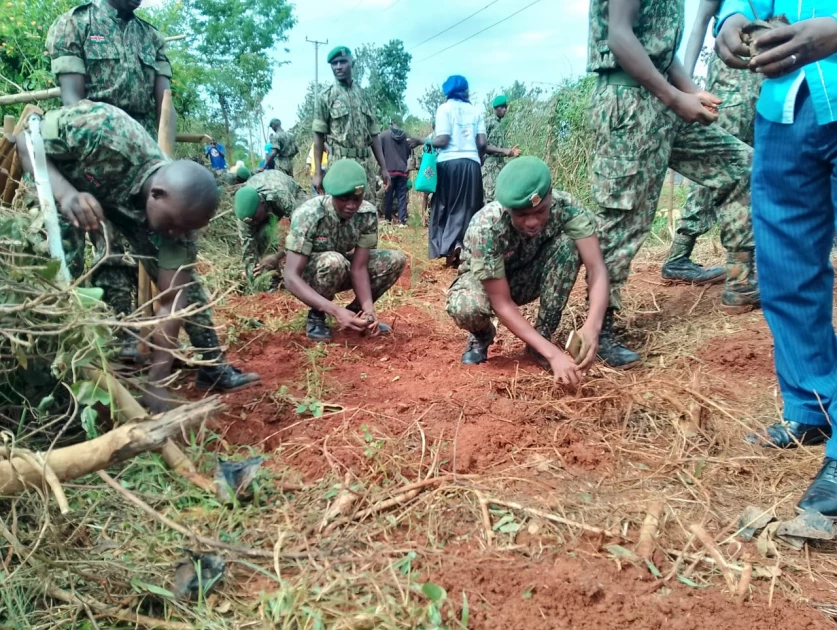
[431,99]
[383,72]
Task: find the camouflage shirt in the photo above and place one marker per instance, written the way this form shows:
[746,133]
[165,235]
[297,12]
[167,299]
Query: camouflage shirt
[120,60]
[316,228]
[494,248]
[659,28]
[281,195]
[103,151]
[346,117]
[285,144]
[495,132]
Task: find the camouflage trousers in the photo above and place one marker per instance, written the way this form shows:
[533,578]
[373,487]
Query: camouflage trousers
[550,277]
[118,276]
[739,91]
[284,165]
[636,140]
[490,170]
[329,273]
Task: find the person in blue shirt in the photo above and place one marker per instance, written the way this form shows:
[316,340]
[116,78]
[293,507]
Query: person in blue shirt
[794,191]
[217,156]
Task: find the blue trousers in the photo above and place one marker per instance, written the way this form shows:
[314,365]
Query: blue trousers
[397,191]
[794,192]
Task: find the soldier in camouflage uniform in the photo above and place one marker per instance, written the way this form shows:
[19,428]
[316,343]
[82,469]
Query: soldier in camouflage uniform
[525,246]
[738,91]
[282,150]
[267,198]
[110,169]
[332,247]
[345,118]
[496,151]
[642,113]
[102,52]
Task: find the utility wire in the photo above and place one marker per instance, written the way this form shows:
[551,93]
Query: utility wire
[455,25]
[462,41]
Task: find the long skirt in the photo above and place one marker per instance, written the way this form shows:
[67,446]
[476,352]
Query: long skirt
[457,199]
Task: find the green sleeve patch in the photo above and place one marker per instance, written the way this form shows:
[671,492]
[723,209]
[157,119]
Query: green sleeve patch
[368,241]
[163,68]
[581,226]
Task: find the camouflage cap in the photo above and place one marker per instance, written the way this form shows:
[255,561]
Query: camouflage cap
[345,177]
[242,173]
[337,51]
[246,202]
[499,101]
[523,183]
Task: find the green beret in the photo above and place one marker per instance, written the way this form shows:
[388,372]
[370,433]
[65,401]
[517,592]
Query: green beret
[499,101]
[336,52]
[274,121]
[523,183]
[345,177]
[246,202]
[242,173]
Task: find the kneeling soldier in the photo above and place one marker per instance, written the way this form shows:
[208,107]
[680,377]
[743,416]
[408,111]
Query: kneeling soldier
[523,246]
[331,247]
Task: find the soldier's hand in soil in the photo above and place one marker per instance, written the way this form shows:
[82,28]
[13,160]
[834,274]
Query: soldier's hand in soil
[317,182]
[729,46]
[268,263]
[589,348]
[83,211]
[347,320]
[789,48]
[691,108]
[370,319]
[564,371]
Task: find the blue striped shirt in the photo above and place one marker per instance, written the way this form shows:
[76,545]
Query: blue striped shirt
[778,96]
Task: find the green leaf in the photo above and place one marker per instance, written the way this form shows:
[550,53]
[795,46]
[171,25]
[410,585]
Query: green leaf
[691,583]
[434,617]
[527,594]
[654,570]
[510,528]
[88,422]
[433,592]
[46,403]
[508,518]
[466,612]
[317,409]
[49,270]
[699,467]
[88,393]
[301,408]
[619,551]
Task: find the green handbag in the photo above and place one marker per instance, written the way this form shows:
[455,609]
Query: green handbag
[426,178]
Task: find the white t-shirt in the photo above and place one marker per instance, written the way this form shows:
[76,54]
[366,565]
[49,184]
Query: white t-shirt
[462,122]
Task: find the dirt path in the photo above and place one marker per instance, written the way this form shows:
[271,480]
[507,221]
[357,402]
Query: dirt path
[403,408]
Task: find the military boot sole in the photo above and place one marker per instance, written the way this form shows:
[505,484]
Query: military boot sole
[624,366]
[672,279]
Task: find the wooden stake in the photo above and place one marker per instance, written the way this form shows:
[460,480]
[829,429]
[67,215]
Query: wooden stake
[671,203]
[649,531]
[111,448]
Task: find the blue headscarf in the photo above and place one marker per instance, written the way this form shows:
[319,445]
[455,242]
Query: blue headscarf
[456,88]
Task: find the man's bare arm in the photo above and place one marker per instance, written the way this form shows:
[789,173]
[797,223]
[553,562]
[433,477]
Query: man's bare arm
[706,10]
[72,88]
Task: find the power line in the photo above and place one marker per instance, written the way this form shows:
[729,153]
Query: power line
[462,41]
[455,25]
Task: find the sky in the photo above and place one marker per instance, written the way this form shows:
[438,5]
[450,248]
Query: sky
[542,45]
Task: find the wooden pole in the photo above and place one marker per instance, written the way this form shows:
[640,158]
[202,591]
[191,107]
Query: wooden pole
[671,203]
[28,97]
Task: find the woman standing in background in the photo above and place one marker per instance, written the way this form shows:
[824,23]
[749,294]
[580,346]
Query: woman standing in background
[460,138]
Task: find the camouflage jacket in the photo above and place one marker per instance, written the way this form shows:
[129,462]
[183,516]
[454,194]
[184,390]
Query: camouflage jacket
[496,133]
[494,248]
[103,151]
[285,144]
[281,194]
[347,119]
[659,28]
[316,228]
[120,60]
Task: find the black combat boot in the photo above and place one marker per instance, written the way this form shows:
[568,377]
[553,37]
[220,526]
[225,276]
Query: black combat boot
[224,378]
[611,350]
[476,351]
[316,327]
[789,434]
[679,267]
[821,495]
